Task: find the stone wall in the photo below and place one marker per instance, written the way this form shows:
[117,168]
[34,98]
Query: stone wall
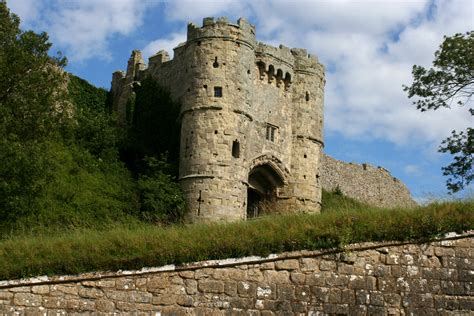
[374,279]
[365,183]
[251,118]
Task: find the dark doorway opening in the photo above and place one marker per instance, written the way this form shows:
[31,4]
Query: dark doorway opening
[253,200]
[263,184]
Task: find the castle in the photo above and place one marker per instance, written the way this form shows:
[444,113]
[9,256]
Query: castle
[251,119]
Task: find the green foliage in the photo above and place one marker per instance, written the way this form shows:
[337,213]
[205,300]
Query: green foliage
[146,245]
[461,171]
[32,85]
[161,199]
[66,187]
[154,129]
[96,129]
[59,162]
[451,80]
[336,201]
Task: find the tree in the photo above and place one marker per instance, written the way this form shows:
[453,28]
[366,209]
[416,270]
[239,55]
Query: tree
[33,83]
[450,81]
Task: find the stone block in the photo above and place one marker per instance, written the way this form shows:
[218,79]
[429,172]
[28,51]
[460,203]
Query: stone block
[392,299]
[348,296]
[20,289]
[105,306]
[125,284]
[186,274]
[334,296]
[320,294]
[140,297]
[291,264]
[185,300]
[276,277]
[191,286]
[309,265]
[315,279]
[90,292]
[66,289]
[285,292]
[246,289]
[267,291]
[255,275]
[336,309]
[164,300]
[4,295]
[326,265]
[40,289]
[303,293]
[54,302]
[298,278]
[108,283]
[27,299]
[211,286]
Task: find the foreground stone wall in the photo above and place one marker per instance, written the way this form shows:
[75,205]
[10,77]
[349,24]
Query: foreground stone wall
[365,183]
[374,279]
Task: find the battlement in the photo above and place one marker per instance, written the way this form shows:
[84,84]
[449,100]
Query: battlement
[242,31]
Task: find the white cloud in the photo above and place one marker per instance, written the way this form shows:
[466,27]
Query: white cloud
[371,47]
[26,9]
[82,28]
[166,44]
[412,170]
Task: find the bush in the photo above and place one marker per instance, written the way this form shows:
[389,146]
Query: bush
[161,199]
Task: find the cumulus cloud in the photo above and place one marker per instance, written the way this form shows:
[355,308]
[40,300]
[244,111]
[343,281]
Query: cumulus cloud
[26,9]
[369,48]
[83,28]
[166,44]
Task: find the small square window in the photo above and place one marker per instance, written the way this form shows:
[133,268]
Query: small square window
[218,92]
[270,133]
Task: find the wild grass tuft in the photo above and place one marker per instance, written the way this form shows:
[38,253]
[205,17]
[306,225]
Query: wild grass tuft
[138,245]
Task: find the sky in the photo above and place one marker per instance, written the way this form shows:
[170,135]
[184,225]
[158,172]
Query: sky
[367,46]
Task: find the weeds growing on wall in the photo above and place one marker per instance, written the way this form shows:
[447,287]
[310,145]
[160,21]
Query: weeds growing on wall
[139,245]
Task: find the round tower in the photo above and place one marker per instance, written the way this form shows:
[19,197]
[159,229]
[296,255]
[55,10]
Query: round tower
[218,61]
[307,128]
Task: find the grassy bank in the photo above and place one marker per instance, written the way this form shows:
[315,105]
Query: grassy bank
[342,221]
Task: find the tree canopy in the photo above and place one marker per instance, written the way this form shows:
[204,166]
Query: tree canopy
[450,82]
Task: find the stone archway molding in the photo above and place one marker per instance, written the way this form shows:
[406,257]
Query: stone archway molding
[274,163]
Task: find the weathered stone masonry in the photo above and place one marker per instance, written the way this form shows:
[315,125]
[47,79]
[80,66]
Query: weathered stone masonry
[368,279]
[365,183]
[251,119]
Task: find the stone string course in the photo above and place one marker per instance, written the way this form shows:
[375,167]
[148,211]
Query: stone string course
[369,279]
[365,183]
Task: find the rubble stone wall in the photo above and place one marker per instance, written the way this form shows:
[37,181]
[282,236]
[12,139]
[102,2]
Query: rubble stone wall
[366,279]
[365,183]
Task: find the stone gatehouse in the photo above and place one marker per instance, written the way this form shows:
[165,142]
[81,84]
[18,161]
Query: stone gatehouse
[251,119]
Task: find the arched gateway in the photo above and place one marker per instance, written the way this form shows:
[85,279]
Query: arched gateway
[266,175]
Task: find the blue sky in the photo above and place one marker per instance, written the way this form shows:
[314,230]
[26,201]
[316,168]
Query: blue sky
[368,48]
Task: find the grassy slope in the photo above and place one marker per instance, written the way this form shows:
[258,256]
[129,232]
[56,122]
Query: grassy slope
[342,221]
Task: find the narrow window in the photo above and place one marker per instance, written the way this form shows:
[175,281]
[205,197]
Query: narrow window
[218,92]
[235,149]
[307,96]
[215,64]
[270,133]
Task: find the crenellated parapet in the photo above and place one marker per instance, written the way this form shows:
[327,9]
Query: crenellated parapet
[241,32]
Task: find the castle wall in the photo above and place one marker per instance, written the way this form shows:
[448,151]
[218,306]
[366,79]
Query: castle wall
[243,106]
[365,183]
[433,278]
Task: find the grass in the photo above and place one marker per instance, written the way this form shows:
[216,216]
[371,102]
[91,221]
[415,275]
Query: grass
[341,222]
